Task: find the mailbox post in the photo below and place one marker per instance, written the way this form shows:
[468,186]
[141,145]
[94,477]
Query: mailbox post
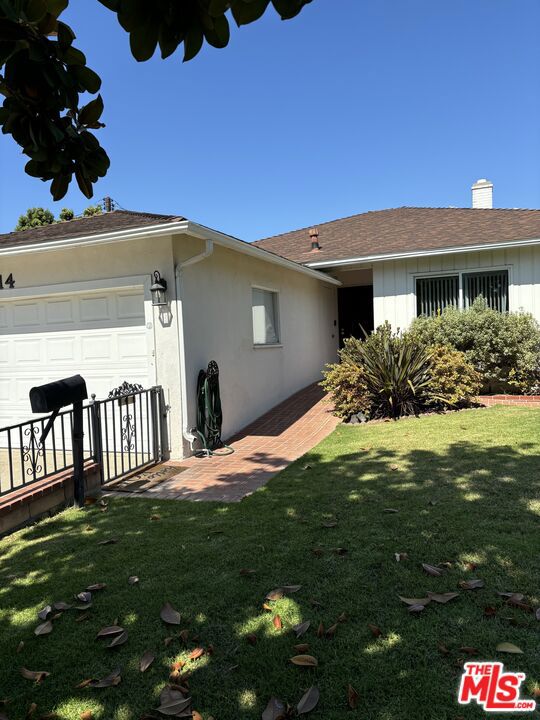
[78,454]
[51,398]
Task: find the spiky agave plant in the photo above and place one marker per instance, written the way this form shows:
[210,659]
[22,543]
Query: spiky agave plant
[397,373]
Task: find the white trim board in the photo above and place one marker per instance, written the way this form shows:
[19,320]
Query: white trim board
[425,253]
[19,293]
[181,227]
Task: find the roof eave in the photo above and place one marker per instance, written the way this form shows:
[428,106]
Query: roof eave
[164,229]
[423,253]
[95,239]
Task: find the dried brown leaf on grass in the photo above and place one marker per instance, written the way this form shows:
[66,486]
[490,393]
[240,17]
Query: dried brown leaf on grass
[305,660]
[301,628]
[308,701]
[169,615]
[352,697]
[432,570]
[35,675]
[146,660]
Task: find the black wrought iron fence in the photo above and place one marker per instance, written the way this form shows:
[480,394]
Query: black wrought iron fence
[122,434]
[25,459]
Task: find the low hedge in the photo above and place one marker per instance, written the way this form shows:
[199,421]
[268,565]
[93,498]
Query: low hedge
[503,347]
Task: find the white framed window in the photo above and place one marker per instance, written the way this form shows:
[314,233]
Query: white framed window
[265,311]
[491,285]
[460,289]
[434,294]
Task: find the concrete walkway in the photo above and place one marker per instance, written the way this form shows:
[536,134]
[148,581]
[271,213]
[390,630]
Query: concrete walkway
[262,449]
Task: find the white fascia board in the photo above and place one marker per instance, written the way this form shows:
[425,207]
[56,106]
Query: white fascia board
[182,226]
[424,253]
[102,239]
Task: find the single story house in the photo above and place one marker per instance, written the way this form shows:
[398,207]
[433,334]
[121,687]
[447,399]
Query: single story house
[396,264]
[75,297]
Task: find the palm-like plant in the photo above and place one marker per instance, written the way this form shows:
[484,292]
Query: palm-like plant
[397,373]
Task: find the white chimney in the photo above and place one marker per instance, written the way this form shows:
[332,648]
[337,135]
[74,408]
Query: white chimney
[482,194]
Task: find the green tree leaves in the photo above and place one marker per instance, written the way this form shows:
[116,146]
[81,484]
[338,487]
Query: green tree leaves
[38,216]
[88,80]
[248,12]
[89,115]
[191,22]
[66,214]
[35,217]
[42,74]
[92,210]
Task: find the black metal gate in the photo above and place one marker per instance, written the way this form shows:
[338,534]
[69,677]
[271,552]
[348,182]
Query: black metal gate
[122,434]
[127,430]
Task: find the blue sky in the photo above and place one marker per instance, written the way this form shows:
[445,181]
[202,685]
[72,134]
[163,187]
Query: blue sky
[354,105]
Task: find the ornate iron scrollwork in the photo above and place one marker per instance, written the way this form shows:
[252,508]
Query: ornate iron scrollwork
[123,393]
[125,389]
[128,432]
[33,451]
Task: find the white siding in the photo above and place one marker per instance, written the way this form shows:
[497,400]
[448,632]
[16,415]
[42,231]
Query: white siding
[394,281]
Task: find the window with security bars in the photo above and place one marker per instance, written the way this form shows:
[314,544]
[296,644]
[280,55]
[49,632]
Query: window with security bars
[492,286]
[436,293]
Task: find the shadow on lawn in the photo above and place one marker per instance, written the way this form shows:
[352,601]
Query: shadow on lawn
[468,502]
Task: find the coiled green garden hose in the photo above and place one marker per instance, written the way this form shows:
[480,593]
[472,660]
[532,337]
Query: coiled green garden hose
[209,413]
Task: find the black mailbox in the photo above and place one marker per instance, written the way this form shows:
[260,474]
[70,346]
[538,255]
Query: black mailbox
[56,395]
[51,398]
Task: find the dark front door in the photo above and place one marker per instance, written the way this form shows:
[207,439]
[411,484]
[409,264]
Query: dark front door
[355,311]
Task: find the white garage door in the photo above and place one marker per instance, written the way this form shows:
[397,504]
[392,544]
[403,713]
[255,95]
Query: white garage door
[101,335]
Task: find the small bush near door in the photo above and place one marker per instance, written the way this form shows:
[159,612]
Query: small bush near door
[392,375]
[346,384]
[503,347]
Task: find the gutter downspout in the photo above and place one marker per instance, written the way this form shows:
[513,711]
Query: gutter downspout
[208,250]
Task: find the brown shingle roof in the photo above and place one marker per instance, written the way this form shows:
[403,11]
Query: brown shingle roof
[404,230]
[81,227]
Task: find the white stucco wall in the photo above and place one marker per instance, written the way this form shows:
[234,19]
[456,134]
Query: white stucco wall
[217,319]
[38,274]
[218,326]
[394,281]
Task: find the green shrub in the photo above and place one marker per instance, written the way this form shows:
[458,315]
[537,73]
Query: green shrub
[503,347]
[454,381]
[396,372]
[354,349]
[345,383]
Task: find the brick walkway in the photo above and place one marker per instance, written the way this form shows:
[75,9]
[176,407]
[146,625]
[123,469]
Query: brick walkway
[262,449]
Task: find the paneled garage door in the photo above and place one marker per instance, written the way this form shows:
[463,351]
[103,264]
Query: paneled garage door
[101,335]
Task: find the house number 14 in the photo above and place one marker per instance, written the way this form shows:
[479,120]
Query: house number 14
[8,282]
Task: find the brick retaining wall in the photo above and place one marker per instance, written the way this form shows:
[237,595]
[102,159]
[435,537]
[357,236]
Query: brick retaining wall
[43,498]
[523,400]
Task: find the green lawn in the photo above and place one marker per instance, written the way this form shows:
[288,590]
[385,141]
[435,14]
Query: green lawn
[466,488]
